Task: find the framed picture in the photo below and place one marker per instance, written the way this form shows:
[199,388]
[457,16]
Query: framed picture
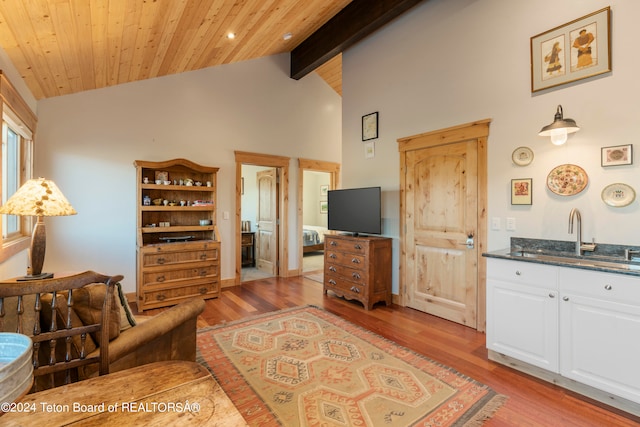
[617,155]
[576,50]
[370,126]
[369,150]
[521,190]
[324,189]
[324,207]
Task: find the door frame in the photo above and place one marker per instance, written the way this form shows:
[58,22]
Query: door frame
[333,169]
[475,130]
[282,164]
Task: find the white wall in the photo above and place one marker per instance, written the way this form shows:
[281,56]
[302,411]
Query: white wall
[451,62]
[87,143]
[312,197]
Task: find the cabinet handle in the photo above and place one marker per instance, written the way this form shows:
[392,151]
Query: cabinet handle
[357,246]
[608,287]
[354,289]
[552,295]
[161,260]
[518,273]
[332,268]
[203,256]
[355,275]
[332,282]
[355,261]
[203,273]
[333,243]
[203,290]
[160,279]
[565,298]
[333,256]
[161,297]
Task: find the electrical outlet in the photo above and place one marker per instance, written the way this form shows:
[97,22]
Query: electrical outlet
[225,215]
[511,224]
[496,223]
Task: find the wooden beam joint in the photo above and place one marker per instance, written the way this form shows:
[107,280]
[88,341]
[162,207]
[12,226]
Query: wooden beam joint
[353,23]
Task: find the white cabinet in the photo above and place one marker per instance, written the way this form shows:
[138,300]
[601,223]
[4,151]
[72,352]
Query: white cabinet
[522,312]
[600,330]
[582,327]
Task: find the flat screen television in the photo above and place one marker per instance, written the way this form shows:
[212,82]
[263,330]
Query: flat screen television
[355,210]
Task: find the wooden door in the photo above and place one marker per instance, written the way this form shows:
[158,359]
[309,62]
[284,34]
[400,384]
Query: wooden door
[267,235]
[441,216]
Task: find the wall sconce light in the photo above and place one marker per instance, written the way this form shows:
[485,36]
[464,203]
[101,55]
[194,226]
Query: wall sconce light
[559,129]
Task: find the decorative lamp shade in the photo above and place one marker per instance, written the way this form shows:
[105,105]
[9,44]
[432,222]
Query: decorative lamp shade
[38,197]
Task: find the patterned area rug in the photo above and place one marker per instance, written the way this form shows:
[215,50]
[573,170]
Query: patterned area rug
[307,367]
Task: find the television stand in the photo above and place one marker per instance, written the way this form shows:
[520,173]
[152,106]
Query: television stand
[358,268]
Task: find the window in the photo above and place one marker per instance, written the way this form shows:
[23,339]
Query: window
[16,145]
[18,125]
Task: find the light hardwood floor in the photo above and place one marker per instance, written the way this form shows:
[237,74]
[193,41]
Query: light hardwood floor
[532,402]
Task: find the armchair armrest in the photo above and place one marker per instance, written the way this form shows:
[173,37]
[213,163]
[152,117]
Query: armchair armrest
[169,335]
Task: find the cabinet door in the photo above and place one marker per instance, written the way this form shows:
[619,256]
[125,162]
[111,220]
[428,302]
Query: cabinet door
[600,345]
[522,322]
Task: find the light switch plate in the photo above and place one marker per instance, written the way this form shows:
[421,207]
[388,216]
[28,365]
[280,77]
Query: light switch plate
[496,223]
[511,224]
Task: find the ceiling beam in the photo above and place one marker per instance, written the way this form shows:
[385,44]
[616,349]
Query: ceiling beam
[356,21]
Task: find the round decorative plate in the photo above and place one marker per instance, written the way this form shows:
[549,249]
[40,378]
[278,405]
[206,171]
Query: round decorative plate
[618,195]
[567,180]
[522,156]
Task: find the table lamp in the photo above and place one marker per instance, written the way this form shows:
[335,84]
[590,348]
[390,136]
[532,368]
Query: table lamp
[38,197]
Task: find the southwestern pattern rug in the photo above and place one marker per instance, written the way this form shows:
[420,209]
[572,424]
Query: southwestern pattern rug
[307,367]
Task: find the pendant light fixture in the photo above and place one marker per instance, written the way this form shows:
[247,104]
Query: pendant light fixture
[560,128]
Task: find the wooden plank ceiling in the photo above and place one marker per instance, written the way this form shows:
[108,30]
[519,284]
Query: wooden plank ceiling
[62,47]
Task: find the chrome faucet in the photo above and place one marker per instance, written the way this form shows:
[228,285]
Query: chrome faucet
[580,247]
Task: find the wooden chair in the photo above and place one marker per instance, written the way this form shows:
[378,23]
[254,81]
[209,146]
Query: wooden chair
[43,310]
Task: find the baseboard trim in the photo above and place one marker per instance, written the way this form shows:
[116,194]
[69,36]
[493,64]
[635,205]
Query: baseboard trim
[586,390]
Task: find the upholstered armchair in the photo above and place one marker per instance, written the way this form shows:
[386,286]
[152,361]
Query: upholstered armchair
[31,308]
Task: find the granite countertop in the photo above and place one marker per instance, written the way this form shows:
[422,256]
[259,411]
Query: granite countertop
[606,258]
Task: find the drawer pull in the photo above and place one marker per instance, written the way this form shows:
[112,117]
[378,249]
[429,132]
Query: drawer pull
[518,273]
[355,275]
[332,282]
[608,287]
[160,261]
[333,256]
[565,298]
[161,279]
[161,297]
[332,268]
[333,243]
[355,261]
[552,295]
[357,246]
[203,273]
[355,289]
[203,256]
[203,290]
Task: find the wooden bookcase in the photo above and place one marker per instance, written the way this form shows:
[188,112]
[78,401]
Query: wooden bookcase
[178,246]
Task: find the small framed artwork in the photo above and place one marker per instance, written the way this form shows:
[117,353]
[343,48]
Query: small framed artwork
[370,126]
[162,176]
[573,51]
[324,189]
[521,190]
[369,150]
[324,207]
[617,155]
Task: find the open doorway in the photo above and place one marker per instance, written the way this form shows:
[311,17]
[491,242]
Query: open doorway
[315,179]
[261,216]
